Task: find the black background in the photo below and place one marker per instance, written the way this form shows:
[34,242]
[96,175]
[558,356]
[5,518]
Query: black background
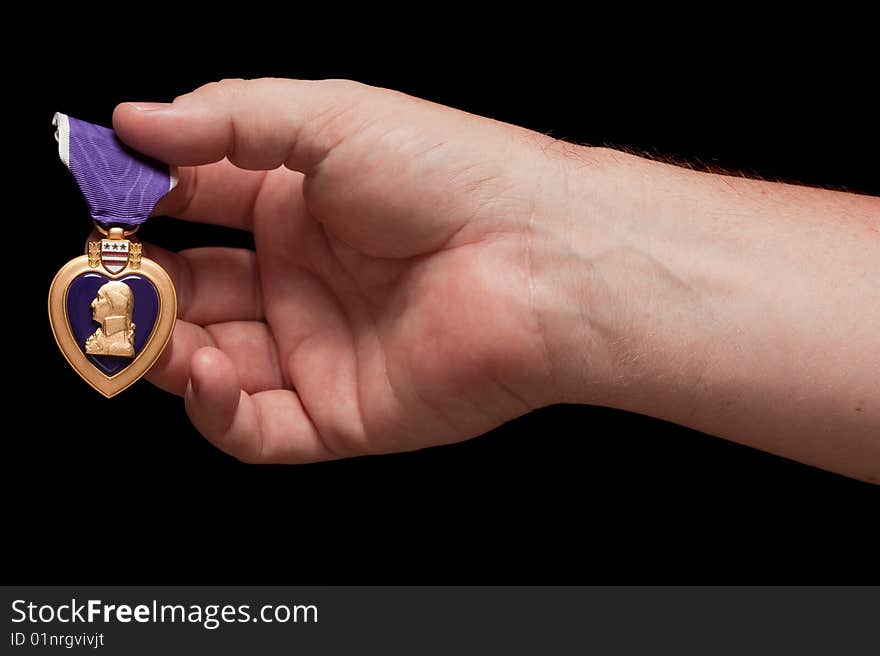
[125,490]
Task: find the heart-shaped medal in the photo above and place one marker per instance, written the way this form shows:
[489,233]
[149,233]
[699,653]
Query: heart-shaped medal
[112,313]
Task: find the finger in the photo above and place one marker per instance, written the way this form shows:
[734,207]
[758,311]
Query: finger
[218,193]
[317,350]
[269,426]
[256,124]
[249,345]
[214,285]
[171,371]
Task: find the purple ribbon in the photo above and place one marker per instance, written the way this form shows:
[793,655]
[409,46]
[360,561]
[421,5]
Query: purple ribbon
[120,185]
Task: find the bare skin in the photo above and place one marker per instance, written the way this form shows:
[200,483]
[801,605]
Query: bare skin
[423,275]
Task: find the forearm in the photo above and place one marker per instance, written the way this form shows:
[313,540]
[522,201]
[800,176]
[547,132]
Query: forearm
[743,308]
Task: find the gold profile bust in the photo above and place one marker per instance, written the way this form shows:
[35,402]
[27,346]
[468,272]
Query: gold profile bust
[112,309]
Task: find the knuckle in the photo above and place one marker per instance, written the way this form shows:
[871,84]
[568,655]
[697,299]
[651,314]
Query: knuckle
[344,110]
[251,458]
[229,88]
[340,85]
[226,86]
[249,449]
[232,82]
[213,89]
[346,441]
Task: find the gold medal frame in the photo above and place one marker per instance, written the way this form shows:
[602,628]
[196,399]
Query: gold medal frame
[73,352]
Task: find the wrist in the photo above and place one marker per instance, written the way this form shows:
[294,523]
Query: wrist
[609,289]
[570,241]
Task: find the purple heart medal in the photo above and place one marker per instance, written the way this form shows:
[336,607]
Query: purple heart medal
[112,310]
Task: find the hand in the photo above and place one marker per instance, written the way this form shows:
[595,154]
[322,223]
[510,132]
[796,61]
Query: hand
[422,275]
[391,303]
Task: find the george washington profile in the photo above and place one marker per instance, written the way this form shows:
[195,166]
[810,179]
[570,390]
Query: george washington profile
[112,309]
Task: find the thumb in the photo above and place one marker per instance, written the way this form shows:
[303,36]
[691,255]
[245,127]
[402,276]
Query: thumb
[389,174]
[256,124]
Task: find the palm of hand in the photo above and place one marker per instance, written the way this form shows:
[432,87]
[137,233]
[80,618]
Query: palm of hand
[379,313]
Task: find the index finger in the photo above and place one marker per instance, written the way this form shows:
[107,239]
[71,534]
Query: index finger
[218,193]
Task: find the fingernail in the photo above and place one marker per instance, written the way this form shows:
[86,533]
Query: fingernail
[194,385]
[149,106]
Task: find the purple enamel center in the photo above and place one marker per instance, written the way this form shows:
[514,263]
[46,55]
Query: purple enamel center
[80,295]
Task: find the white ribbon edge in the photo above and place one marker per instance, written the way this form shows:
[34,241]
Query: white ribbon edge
[62,136]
